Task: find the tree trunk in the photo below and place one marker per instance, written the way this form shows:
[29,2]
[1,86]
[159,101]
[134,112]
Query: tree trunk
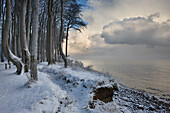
[43,36]
[1,27]
[0,10]
[15,29]
[49,51]
[11,57]
[25,51]
[28,21]
[67,40]
[30,43]
[42,46]
[9,38]
[39,41]
[2,55]
[14,32]
[61,36]
[19,51]
[35,6]
[42,33]
[55,52]
[54,39]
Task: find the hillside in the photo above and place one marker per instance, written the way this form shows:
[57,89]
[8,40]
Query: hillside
[76,89]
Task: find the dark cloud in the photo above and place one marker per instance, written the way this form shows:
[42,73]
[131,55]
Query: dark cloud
[137,31]
[153,16]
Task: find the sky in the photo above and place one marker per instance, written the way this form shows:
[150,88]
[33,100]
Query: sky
[123,29]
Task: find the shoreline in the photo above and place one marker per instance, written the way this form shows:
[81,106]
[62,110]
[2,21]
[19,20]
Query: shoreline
[164,96]
[107,74]
[79,89]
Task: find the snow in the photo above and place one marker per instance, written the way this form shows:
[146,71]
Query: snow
[78,84]
[15,57]
[16,97]
[66,90]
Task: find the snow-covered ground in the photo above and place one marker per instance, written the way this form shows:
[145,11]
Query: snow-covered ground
[71,90]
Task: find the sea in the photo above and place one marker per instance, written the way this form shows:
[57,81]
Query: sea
[150,75]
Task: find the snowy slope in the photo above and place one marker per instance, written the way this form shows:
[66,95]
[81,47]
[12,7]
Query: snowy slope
[70,90]
[79,84]
[48,95]
[16,97]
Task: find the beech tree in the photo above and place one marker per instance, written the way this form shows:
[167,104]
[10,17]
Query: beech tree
[35,5]
[49,49]
[14,34]
[19,50]
[73,19]
[25,51]
[61,34]
[11,57]
[40,26]
[3,19]
[28,16]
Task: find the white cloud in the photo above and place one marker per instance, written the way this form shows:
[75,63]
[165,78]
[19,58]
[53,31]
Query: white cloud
[137,31]
[104,12]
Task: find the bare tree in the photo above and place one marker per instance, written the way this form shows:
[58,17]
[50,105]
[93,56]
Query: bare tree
[56,17]
[0,9]
[14,34]
[49,50]
[73,19]
[11,57]
[25,51]
[3,19]
[43,36]
[35,5]
[19,51]
[28,21]
[61,34]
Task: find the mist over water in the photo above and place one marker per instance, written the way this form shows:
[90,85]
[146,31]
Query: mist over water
[151,75]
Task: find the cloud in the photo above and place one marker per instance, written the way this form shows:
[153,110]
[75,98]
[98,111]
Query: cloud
[152,16]
[104,12]
[137,31]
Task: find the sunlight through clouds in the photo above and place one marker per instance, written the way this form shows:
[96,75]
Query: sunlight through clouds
[137,31]
[123,15]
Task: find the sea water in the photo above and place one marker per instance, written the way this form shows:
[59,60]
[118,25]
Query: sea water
[152,76]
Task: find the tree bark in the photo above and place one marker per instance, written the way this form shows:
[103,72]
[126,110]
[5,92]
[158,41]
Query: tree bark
[35,6]
[3,20]
[14,31]
[1,28]
[49,50]
[30,43]
[42,46]
[61,35]
[28,21]
[43,36]
[25,51]
[19,51]
[39,40]
[11,57]
[0,10]
[67,40]
[9,37]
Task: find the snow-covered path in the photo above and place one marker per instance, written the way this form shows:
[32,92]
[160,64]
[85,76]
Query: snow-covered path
[16,97]
[10,85]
